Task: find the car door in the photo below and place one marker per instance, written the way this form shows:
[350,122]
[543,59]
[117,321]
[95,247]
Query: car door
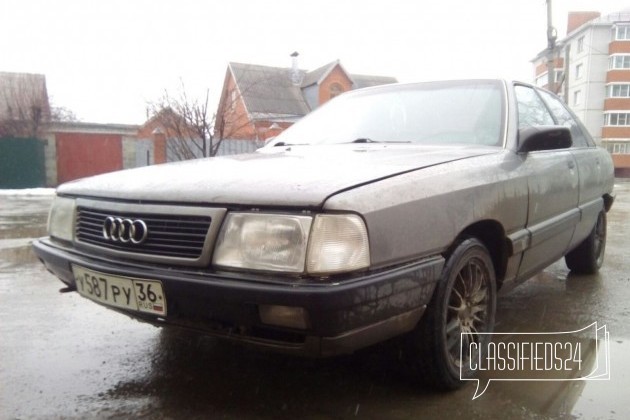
[553,186]
[590,163]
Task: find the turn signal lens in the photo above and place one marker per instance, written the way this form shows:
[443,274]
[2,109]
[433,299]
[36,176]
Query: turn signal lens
[284,316]
[339,243]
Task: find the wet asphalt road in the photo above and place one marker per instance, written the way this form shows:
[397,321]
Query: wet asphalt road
[62,356]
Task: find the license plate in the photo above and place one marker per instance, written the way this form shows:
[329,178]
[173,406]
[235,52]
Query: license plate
[122,292]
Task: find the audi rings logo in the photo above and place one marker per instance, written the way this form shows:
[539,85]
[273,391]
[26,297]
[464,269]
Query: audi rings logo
[121,230]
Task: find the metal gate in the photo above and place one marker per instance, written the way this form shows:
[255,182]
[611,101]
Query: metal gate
[22,163]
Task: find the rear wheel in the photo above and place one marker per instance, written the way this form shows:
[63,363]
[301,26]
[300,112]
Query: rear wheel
[462,307]
[588,257]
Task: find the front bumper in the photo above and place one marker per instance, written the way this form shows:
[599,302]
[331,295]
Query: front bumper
[343,316]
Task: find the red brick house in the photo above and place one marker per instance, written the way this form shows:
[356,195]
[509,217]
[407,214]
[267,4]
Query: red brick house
[156,131]
[258,102]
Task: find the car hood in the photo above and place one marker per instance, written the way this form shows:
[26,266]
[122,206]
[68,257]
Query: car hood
[280,176]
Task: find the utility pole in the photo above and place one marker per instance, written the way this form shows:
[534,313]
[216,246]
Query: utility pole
[551,50]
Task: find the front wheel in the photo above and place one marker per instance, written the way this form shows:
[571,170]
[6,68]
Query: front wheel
[463,306]
[588,257]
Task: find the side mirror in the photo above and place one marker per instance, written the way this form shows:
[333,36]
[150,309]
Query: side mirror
[548,137]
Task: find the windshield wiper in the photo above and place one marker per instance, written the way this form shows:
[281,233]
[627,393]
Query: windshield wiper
[364,140]
[282,143]
[360,140]
[369,140]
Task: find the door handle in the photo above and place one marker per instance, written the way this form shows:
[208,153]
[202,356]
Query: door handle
[571,164]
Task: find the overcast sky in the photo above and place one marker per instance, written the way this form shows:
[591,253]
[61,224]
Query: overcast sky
[105,59]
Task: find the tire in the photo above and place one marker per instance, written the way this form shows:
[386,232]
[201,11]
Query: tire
[433,349]
[588,257]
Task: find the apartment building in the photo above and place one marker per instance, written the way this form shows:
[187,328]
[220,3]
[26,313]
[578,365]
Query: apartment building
[592,74]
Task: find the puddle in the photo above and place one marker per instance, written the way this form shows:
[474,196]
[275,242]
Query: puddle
[557,375]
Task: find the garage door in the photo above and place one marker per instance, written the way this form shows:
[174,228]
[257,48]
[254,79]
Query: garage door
[80,155]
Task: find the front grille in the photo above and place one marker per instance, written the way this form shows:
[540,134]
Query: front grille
[169,235]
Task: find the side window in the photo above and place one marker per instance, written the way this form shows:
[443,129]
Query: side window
[532,111]
[564,117]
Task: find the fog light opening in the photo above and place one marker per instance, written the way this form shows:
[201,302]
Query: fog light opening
[284,316]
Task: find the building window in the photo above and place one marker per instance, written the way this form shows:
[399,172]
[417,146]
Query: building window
[577,97]
[622,33]
[618,90]
[580,44]
[617,119]
[617,147]
[232,100]
[559,75]
[578,71]
[335,90]
[619,62]
[541,80]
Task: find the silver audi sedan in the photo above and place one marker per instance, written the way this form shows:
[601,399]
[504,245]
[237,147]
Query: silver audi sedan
[398,210]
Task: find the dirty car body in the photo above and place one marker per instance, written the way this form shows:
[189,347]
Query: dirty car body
[390,211]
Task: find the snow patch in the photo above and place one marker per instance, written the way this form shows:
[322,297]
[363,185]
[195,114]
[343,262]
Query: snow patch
[29,191]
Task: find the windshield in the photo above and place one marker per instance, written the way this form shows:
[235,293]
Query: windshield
[431,113]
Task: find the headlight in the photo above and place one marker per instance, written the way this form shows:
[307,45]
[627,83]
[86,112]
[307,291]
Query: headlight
[263,242]
[325,244]
[61,219]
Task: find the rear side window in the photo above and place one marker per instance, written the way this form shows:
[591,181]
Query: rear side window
[564,117]
[532,112]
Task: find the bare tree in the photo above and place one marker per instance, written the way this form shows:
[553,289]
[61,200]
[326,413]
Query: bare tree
[62,114]
[24,105]
[187,125]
